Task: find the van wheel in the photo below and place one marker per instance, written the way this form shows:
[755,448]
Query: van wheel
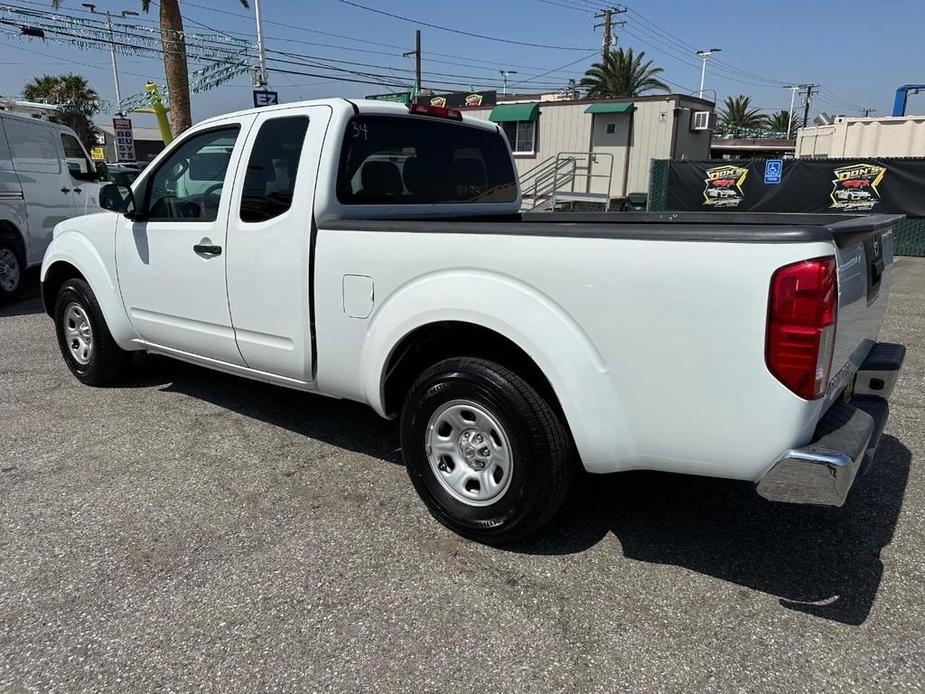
[485,451]
[86,343]
[12,265]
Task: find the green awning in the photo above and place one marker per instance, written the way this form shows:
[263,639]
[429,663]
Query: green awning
[505,113]
[624,107]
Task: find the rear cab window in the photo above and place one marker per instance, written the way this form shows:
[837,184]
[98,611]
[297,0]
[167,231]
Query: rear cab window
[416,160]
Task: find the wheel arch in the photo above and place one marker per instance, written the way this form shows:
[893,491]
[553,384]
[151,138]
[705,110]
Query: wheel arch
[57,274]
[481,314]
[9,231]
[432,342]
[71,255]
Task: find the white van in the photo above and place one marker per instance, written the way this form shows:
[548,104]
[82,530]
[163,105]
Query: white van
[46,176]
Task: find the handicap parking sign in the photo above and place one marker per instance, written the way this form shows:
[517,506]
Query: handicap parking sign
[773,170]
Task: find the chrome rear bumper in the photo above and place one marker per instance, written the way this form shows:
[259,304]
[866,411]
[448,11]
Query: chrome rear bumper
[845,441]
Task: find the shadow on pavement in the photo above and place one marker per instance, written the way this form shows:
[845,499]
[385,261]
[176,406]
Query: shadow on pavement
[338,422]
[821,561]
[29,301]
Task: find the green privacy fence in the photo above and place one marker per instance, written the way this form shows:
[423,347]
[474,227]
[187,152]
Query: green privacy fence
[910,233]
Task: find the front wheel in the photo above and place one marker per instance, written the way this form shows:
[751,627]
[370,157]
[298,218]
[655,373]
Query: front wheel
[485,450]
[85,341]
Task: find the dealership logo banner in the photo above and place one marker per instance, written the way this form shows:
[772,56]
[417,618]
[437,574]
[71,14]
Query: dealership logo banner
[724,186]
[806,185]
[855,186]
[460,99]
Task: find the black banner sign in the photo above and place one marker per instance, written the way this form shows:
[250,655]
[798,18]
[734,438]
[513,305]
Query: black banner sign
[460,99]
[806,185]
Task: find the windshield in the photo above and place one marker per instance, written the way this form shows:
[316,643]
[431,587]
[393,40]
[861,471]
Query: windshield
[417,160]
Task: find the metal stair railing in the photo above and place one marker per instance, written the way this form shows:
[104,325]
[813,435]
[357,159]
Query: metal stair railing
[538,184]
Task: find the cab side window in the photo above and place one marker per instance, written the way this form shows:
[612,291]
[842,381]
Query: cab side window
[77,163]
[271,172]
[188,184]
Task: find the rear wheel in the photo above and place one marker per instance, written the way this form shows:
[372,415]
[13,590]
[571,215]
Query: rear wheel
[485,451]
[85,341]
[12,265]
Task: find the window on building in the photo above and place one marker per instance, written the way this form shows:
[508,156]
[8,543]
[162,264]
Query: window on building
[271,170]
[522,135]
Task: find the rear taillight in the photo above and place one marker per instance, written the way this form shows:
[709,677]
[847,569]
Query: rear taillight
[802,311]
[436,111]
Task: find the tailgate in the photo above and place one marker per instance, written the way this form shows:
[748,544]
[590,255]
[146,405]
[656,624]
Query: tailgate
[864,252]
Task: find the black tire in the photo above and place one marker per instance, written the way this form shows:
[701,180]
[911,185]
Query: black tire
[12,250]
[107,362]
[542,467]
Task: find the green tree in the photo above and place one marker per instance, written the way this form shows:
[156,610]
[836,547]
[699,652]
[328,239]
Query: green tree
[737,116]
[77,102]
[623,73]
[779,122]
[175,68]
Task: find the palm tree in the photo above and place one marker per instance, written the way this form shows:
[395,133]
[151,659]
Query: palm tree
[779,122]
[622,74]
[175,69]
[737,116]
[77,102]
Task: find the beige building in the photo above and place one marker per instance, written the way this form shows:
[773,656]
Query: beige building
[902,136]
[597,149]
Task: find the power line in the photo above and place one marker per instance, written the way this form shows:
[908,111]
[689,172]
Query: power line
[463,33]
[535,77]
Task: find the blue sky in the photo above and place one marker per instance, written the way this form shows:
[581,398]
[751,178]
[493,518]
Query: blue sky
[858,51]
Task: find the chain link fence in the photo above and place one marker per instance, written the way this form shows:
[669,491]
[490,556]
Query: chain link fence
[910,233]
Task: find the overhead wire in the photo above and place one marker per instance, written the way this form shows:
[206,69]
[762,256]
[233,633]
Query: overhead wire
[485,37]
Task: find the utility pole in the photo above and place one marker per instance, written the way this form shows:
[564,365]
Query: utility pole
[417,61]
[608,24]
[808,99]
[868,110]
[262,79]
[703,55]
[504,75]
[112,50]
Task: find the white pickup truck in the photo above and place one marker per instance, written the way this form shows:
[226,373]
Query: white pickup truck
[375,252]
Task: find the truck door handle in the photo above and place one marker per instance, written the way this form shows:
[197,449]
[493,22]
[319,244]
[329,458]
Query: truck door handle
[65,190]
[207,251]
[77,190]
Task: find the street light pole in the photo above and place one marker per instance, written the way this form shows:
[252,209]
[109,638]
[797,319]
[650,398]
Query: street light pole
[504,75]
[703,55]
[112,50]
[261,48]
[793,95]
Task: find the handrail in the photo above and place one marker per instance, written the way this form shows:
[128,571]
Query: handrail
[557,174]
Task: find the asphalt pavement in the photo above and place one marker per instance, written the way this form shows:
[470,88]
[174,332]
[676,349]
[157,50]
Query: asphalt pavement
[192,531]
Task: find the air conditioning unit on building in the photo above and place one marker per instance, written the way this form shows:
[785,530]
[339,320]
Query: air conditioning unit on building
[702,120]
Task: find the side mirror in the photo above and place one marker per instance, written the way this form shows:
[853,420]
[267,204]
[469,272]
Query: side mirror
[102,171]
[118,198]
